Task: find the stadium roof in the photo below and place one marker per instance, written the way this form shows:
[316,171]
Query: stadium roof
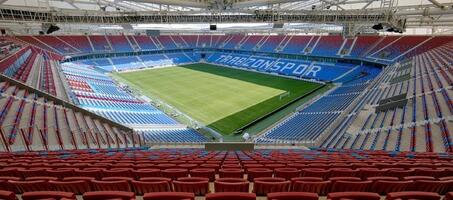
[111,15]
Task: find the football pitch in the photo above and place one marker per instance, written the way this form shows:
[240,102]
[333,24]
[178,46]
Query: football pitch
[222,98]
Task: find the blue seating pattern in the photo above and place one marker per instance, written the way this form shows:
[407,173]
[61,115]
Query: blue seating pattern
[173,135]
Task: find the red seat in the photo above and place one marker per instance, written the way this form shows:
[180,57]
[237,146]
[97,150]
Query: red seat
[292,196]
[174,174]
[44,178]
[416,178]
[264,185]
[117,172]
[30,186]
[156,184]
[231,185]
[140,173]
[203,172]
[287,173]
[121,185]
[77,187]
[10,171]
[109,195]
[230,196]
[364,173]
[5,185]
[231,173]
[197,185]
[7,195]
[384,186]
[95,173]
[436,186]
[430,172]
[449,196]
[60,173]
[216,167]
[117,178]
[253,173]
[344,178]
[342,172]
[318,187]
[400,173]
[79,178]
[351,186]
[353,195]
[169,196]
[48,195]
[314,172]
[412,195]
[32,172]
[382,178]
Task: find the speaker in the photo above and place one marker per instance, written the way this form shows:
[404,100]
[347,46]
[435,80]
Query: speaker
[152,32]
[3,31]
[213,27]
[48,28]
[52,29]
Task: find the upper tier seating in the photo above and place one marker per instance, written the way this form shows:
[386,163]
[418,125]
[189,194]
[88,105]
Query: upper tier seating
[423,124]
[382,49]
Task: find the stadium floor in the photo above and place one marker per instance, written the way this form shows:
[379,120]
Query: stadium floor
[225,99]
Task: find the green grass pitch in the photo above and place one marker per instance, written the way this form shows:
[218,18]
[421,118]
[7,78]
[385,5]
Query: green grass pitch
[224,99]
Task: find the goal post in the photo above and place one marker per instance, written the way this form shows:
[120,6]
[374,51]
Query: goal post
[286,94]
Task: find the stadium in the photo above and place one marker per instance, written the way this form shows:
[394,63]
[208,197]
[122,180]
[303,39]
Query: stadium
[226,99]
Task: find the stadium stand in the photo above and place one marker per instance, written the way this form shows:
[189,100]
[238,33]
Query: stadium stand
[125,166]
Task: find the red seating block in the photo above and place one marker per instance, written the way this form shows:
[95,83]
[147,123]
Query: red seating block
[48,195]
[197,185]
[412,195]
[230,196]
[264,185]
[292,196]
[231,185]
[353,195]
[169,196]
[108,195]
